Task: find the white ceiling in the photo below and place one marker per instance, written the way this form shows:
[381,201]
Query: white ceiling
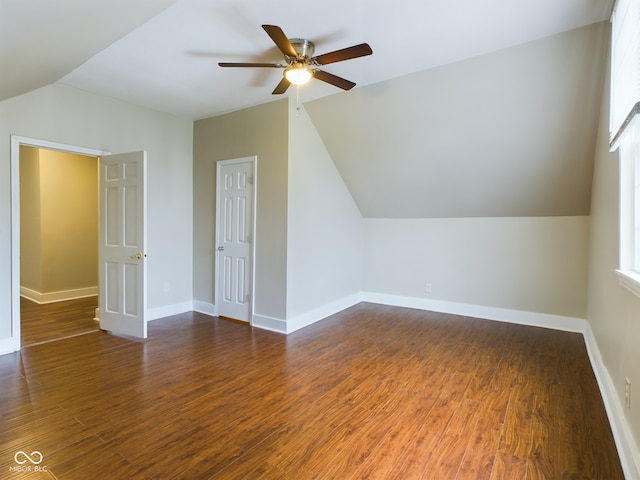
[163,54]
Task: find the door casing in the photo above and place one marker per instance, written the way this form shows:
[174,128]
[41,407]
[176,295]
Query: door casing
[16,142]
[254,167]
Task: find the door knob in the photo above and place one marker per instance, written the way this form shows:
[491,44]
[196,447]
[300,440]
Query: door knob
[221,248]
[137,255]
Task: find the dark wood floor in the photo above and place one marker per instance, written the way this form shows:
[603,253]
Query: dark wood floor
[374,392]
[53,321]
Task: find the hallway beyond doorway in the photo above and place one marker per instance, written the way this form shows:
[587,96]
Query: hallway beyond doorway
[47,322]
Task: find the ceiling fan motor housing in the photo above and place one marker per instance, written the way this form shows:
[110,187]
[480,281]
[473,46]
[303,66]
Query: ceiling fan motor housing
[304,48]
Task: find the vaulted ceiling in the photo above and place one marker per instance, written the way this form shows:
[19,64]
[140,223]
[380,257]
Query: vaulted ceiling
[506,134]
[163,54]
[466,108]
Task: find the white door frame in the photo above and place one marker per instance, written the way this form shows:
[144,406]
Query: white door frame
[16,142]
[254,167]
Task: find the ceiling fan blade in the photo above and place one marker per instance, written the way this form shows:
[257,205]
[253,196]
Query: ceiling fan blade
[282,86]
[280,39]
[348,53]
[240,64]
[339,82]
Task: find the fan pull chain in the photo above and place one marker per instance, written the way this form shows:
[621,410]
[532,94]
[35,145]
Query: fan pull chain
[297,100]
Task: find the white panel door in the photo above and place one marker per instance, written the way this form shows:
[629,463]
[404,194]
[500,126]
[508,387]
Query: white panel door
[122,244]
[235,195]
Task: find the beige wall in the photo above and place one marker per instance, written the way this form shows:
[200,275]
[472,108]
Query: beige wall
[308,226]
[30,224]
[66,115]
[526,264]
[260,131]
[59,221]
[613,312]
[325,230]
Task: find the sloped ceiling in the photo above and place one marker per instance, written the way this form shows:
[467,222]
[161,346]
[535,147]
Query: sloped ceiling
[166,58]
[43,40]
[511,133]
[466,108]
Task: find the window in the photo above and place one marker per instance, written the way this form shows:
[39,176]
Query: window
[625,65]
[625,133]
[629,152]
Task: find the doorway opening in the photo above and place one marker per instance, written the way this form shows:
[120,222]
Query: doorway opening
[58,244]
[55,209]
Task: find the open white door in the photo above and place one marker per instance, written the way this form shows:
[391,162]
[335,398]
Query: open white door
[121,253]
[235,218]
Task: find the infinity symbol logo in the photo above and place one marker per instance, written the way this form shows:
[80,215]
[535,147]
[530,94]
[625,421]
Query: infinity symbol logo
[35,458]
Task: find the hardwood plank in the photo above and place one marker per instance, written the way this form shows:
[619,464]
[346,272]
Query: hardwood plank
[545,436]
[427,439]
[343,463]
[516,437]
[447,457]
[481,451]
[88,457]
[508,466]
[389,455]
[328,442]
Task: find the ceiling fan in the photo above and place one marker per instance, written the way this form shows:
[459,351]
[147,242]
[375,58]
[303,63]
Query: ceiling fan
[301,65]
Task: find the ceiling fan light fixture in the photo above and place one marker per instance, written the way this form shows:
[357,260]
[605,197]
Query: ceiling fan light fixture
[300,66]
[297,74]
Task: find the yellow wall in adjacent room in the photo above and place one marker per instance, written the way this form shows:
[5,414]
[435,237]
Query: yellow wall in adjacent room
[59,221]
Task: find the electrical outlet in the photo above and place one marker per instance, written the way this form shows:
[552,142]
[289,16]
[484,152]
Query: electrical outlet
[627,392]
[428,288]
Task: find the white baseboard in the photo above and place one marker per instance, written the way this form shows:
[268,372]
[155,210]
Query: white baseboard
[204,307]
[317,314]
[259,321]
[157,313]
[169,310]
[9,345]
[269,323]
[61,296]
[628,450]
[556,322]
